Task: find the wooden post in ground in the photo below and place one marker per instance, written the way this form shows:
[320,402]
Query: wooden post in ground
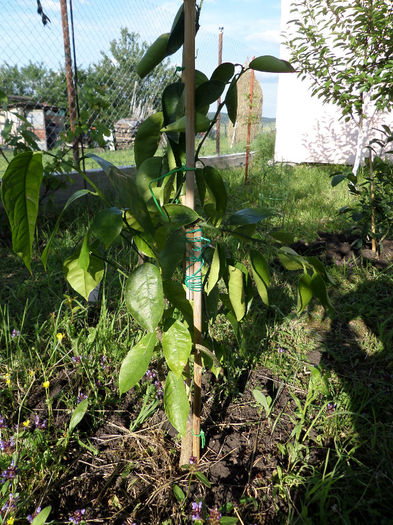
[249,125]
[374,247]
[218,121]
[69,76]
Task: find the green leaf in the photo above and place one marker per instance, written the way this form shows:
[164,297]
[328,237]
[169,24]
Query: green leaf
[173,253]
[176,402]
[84,254]
[107,225]
[176,346]
[202,123]
[136,362]
[214,273]
[149,169]
[270,64]
[203,479]
[148,137]
[337,179]
[153,56]
[207,93]
[173,106]
[176,295]
[228,520]
[178,493]
[180,215]
[78,414]
[41,518]
[236,292]
[320,268]
[216,203]
[176,37]
[318,287]
[261,274]
[20,193]
[231,101]
[77,195]
[250,216]
[262,400]
[283,237]
[224,72]
[290,259]
[144,244]
[144,296]
[127,188]
[304,292]
[83,281]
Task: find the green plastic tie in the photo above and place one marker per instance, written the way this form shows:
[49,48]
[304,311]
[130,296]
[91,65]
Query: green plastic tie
[194,281]
[202,436]
[175,170]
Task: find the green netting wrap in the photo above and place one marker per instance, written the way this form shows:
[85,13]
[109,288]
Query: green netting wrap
[195,257]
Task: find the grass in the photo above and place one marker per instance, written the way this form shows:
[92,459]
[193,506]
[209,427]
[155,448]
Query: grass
[328,430]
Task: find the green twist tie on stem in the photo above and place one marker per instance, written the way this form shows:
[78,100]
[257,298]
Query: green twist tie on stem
[202,436]
[175,170]
[194,281]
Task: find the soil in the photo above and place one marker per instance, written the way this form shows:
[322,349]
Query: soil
[122,477]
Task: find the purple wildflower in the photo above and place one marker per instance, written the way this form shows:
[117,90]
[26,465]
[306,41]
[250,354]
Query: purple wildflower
[196,513]
[281,350]
[214,517]
[15,333]
[7,446]
[10,472]
[331,407]
[30,517]
[150,374]
[193,460]
[160,390]
[77,516]
[77,359]
[39,424]
[81,397]
[3,424]
[10,504]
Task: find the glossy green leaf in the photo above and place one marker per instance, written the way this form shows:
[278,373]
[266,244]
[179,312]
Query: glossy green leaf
[250,216]
[78,414]
[318,287]
[153,56]
[126,184]
[144,244]
[41,518]
[83,281]
[261,274]
[20,192]
[270,64]
[172,254]
[214,273]
[224,72]
[84,254]
[176,402]
[77,195]
[149,170]
[144,296]
[173,107]
[231,101]
[178,493]
[180,215]
[216,202]
[202,123]
[236,292]
[290,259]
[208,92]
[176,295]
[148,137]
[107,225]
[136,362]
[176,346]
[304,292]
[337,179]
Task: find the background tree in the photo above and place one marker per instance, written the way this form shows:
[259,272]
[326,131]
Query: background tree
[346,49]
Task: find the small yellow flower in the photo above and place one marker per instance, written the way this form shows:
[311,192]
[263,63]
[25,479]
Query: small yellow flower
[10,521]
[31,373]
[46,384]
[26,423]
[8,381]
[60,336]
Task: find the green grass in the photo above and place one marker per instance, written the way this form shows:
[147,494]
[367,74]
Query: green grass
[334,464]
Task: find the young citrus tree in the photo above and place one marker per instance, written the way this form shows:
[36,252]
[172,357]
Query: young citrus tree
[162,224]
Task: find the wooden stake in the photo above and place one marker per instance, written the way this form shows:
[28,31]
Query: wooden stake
[249,125]
[189,80]
[372,196]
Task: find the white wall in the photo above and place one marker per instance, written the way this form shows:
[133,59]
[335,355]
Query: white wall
[308,130]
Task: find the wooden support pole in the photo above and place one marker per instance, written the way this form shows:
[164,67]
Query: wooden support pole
[374,247]
[69,76]
[189,80]
[218,122]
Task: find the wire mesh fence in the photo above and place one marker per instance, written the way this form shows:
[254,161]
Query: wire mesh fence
[106,41]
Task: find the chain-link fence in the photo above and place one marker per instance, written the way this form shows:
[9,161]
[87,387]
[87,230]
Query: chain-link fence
[107,39]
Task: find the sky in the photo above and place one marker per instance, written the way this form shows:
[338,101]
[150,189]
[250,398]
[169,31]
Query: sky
[251,28]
